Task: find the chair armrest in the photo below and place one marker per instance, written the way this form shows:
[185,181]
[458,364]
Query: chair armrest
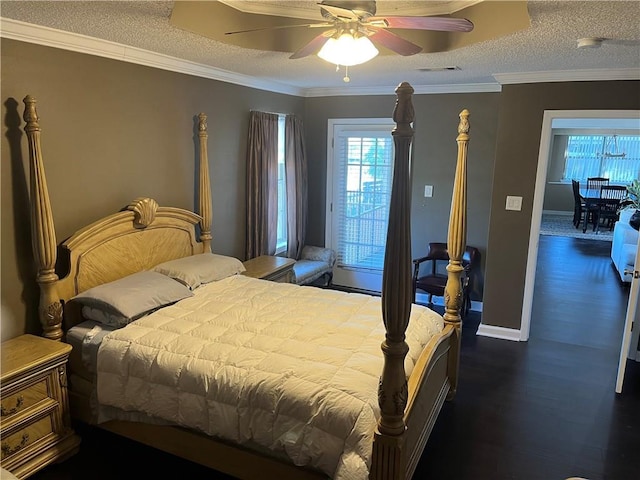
[321,254]
[418,261]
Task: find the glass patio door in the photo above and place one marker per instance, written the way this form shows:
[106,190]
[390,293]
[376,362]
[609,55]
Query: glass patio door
[359,182]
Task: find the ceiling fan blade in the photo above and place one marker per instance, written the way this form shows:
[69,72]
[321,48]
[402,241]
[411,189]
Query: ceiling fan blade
[394,42]
[444,24]
[313,46]
[310,25]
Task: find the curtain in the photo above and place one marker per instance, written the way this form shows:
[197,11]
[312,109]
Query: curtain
[296,172]
[262,181]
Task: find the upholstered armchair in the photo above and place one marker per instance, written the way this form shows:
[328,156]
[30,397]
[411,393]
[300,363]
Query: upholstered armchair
[315,266]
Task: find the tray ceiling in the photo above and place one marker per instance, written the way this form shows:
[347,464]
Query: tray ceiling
[545,49]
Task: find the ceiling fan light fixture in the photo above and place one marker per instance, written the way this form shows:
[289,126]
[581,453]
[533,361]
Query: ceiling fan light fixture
[347,50]
[611,149]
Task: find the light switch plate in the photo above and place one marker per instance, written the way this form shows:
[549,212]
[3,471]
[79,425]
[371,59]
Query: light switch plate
[514,203]
[428,190]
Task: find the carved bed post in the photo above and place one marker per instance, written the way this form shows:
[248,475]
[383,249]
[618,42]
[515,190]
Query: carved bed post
[456,244]
[43,235]
[396,298]
[204,185]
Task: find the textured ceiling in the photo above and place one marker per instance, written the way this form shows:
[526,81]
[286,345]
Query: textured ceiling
[547,46]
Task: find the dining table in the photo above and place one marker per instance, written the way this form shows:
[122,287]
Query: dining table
[592,201]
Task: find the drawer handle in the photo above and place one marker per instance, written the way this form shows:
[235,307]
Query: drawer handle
[10,411]
[7,450]
[62,376]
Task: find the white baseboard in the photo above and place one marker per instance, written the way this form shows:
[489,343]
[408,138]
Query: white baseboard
[498,332]
[558,212]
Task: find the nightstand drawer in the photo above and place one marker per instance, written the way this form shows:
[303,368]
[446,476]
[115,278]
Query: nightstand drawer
[21,441]
[35,427]
[281,277]
[22,400]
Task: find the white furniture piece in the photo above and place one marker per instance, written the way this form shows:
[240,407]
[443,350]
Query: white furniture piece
[315,266]
[623,245]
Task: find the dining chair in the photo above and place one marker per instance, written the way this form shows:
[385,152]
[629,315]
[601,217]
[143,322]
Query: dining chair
[585,208]
[434,280]
[579,205]
[597,182]
[610,198]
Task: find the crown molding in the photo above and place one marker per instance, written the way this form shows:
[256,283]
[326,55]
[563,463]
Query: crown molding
[418,90]
[569,76]
[50,37]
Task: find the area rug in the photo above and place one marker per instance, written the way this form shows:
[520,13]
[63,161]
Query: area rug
[562,226]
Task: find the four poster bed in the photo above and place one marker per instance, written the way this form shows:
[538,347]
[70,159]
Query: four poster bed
[293,394]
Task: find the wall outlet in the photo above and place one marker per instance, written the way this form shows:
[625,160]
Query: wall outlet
[428,190]
[514,203]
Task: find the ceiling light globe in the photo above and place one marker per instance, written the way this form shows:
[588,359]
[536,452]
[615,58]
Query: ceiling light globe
[347,50]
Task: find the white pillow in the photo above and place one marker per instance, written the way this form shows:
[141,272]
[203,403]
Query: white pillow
[202,268]
[121,301]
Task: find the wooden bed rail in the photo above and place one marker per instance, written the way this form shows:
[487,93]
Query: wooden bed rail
[397,288]
[43,234]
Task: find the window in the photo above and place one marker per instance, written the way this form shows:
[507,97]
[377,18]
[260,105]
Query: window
[586,156]
[281,244]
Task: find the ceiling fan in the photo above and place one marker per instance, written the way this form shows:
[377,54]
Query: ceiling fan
[357,19]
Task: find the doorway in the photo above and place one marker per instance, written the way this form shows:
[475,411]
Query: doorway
[586,119]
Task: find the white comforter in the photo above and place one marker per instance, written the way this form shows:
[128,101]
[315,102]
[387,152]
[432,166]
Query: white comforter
[293,369]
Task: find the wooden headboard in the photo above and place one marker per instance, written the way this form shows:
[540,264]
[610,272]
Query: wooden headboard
[140,236]
[136,239]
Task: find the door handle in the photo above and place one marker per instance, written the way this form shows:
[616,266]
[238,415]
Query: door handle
[635,273]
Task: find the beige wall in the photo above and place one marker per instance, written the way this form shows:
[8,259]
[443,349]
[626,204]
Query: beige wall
[434,158]
[558,197]
[519,129]
[113,131]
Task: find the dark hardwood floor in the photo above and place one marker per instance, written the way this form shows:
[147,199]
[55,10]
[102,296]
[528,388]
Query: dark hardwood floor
[545,409]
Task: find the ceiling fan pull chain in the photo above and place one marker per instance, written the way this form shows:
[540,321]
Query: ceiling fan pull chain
[346,74]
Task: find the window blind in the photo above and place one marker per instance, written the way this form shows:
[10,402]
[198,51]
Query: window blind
[584,157]
[365,174]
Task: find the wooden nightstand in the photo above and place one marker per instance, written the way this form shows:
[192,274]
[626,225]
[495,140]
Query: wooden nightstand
[35,424]
[276,269]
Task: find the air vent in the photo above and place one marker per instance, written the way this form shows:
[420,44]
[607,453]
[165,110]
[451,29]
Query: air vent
[438,69]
